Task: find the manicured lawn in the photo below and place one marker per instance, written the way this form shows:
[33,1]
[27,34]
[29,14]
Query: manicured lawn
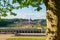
[26,39]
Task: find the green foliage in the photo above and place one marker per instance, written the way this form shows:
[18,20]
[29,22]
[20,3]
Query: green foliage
[4,14]
[12,14]
[7,5]
[5,22]
[33,3]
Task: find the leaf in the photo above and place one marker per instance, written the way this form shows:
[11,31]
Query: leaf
[4,0]
[11,13]
[4,14]
[19,1]
[38,8]
[18,7]
[14,1]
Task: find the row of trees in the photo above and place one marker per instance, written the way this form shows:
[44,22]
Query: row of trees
[14,22]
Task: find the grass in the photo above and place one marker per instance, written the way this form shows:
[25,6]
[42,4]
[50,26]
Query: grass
[26,39]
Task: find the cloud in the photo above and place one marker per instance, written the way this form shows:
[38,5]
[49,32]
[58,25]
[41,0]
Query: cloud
[28,13]
[27,16]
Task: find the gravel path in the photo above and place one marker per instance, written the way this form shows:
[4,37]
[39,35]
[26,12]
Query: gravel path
[5,36]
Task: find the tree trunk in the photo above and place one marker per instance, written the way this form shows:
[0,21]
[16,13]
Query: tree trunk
[53,19]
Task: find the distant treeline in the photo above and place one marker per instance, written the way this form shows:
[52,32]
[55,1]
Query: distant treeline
[5,22]
[9,22]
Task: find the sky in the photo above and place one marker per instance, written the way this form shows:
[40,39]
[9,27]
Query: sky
[28,13]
